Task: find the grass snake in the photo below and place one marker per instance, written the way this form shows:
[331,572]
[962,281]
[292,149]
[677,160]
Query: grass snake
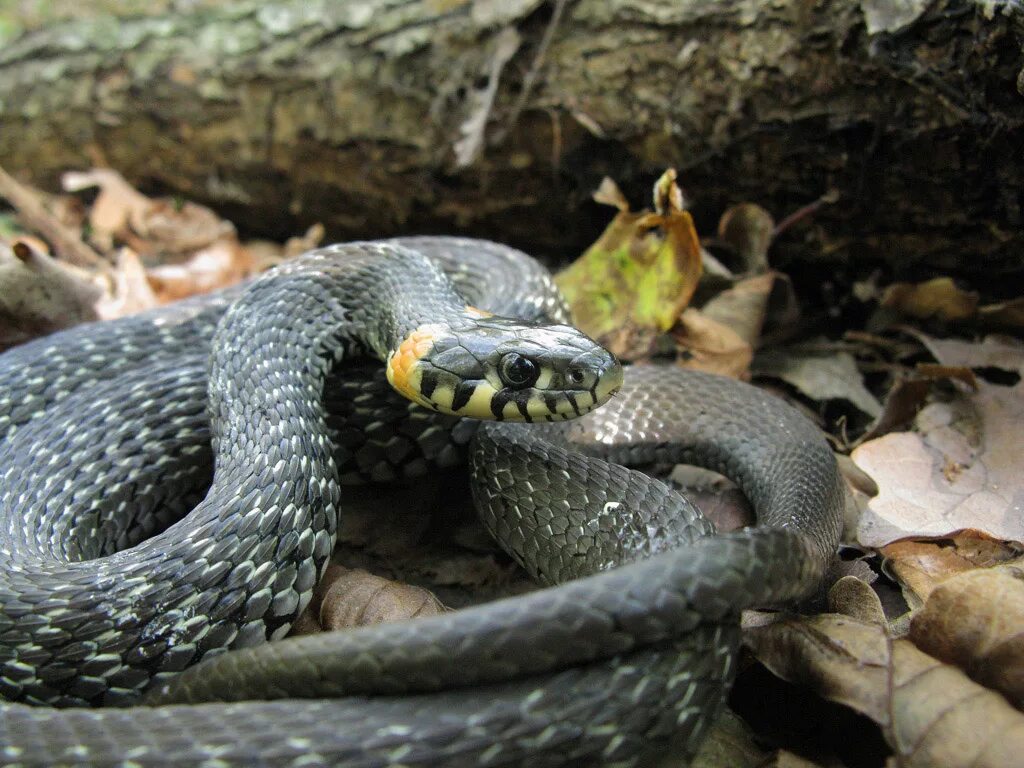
[170,485]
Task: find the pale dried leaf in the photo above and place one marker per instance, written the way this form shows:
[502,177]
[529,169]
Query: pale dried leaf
[932,715]
[1004,352]
[128,290]
[975,620]
[113,207]
[960,470]
[40,295]
[711,346]
[832,376]
[608,193]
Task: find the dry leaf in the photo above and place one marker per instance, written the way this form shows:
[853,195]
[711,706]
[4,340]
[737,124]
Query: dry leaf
[120,213]
[960,470]
[39,295]
[128,289]
[920,565]
[854,597]
[749,230]
[709,346]
[820,377]
[907,396]
[932,714]
[743,307]
[217,266]
[633,283]
[935,298]
[975,620]
[1008,314]
[729,744]
[993,351]
[355,598]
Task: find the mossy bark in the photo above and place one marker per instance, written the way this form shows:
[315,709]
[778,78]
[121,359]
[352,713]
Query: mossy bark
[365,114]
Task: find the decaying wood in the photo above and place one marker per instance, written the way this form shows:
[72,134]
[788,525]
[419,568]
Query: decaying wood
[285,113]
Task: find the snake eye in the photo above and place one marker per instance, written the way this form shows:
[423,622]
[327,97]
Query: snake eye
[518,372]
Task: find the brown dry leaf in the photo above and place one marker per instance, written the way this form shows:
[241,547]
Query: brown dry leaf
[975,620]
[114,206]
[743,307]
[218,265]
[632,284]
[920,565]
[1008,314]
[729,744]
[960,470]
[854,597]
[819,376]
[707,345]
[128,289]
[40,295]
[749,229]
[149,226]
[938,297]
[908,395]
[932,714]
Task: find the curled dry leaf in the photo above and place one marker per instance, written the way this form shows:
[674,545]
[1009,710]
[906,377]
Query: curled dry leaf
[355,598]
[960,470]
[632,284]
[39,295]
[920,565]
[975,620]
[932,714]
[939,298]
[710,346]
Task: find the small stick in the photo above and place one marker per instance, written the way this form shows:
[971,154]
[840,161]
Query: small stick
[34,216]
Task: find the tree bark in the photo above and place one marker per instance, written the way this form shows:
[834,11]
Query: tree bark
[499,117]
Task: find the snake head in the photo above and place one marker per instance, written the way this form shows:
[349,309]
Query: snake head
[498,368]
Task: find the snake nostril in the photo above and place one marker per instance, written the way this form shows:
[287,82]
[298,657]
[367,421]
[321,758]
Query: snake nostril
[577,375]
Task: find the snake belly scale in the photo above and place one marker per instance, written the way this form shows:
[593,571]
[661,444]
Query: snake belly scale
[133,576]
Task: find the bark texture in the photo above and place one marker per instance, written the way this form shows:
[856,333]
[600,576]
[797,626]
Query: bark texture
[499,117]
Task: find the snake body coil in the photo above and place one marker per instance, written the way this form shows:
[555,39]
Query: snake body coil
[124,566]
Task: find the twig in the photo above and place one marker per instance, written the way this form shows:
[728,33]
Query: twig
[468,148]
[533,72]
[34,216]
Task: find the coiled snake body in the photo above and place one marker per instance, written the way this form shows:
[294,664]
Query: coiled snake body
[123,565]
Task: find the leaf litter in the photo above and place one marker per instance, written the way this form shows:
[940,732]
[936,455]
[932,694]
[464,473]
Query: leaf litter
[924,634]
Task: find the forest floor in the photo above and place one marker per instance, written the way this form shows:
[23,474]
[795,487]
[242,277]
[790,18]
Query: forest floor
[914,651]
